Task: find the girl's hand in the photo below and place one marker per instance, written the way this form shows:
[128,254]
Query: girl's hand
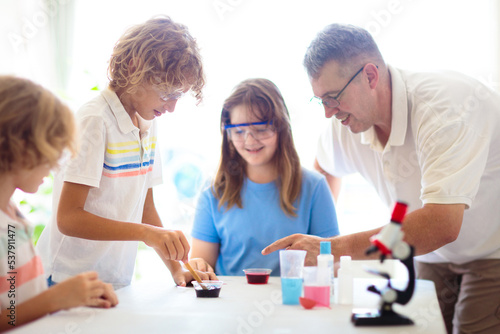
[200,264]
[169,244]
[84,290]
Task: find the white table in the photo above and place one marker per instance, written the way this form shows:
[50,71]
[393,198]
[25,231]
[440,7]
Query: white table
[157,306]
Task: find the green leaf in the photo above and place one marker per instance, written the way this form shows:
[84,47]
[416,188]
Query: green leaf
[46,190]
[36,232]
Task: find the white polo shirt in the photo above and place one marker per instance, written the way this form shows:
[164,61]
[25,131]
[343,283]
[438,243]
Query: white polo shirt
[444,148]
[120,164]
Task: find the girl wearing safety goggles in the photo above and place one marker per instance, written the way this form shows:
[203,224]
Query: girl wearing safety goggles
[260,192]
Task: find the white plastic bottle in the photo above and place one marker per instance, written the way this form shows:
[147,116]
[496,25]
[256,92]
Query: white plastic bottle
[345,279]
[325,260]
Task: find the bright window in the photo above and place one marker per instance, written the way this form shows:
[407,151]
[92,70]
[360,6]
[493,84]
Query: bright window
[241,39]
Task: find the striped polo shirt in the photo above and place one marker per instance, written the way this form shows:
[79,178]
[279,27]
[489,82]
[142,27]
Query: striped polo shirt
[21,270]
[120,164]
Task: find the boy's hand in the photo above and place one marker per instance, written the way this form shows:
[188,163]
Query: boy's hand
[200,264]
[169,244]
[183,276]
[84,290]
[110,295]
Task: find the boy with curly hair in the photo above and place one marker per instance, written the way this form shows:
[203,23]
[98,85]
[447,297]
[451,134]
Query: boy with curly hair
[104,202]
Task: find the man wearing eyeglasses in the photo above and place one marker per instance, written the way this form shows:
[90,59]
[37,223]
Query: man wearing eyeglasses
[429,139]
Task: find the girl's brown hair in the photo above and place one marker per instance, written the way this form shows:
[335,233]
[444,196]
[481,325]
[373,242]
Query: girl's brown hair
[159,52]
[35,126]
[262,98]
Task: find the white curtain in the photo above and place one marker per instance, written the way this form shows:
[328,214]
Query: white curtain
[37,41]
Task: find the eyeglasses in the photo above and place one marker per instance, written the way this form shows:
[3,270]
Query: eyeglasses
[258,130]
[166,96]
[333,102]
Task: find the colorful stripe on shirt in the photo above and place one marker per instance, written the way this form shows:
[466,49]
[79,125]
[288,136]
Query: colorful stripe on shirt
[21,274]
[124,159]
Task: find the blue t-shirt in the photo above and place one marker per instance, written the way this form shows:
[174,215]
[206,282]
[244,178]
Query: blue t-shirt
[243,233]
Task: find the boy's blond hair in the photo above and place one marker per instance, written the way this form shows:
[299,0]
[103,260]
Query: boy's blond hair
[159,52]
[35,126]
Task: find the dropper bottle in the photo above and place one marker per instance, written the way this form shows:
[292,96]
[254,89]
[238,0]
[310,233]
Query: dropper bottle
[345,288]
[325,260]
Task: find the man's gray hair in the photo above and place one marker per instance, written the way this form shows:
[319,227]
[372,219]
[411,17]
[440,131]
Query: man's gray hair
[344,44]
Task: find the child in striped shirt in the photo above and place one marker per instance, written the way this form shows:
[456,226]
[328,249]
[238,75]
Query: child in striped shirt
[104,198]
[35,128]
